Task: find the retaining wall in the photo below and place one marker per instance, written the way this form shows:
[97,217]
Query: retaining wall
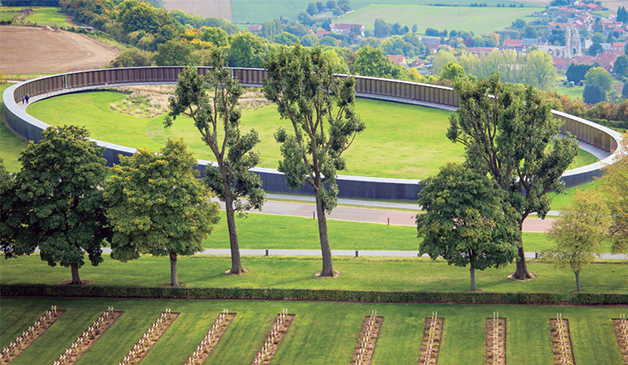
[274,182]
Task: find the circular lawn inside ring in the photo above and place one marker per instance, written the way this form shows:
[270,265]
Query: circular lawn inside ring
[400,141]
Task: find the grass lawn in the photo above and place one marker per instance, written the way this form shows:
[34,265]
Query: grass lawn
[559,201]
[253,11]
[479,20]
[573,92]
[10,144]
[49,16]
[321,333]
[5,16]
[409,143]
[379,274]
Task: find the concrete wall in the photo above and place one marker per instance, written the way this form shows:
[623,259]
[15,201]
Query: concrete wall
[274,181]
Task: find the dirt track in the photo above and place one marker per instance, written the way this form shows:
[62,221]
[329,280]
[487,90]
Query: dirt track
[27,50]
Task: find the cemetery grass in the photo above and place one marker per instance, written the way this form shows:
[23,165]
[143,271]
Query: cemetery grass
[252,11]
[377,274]
[321,333]
[479,20]
[409,143]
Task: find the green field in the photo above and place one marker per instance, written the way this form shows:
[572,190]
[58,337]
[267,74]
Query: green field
[409,142]
[573,92]
[361,273]
[253,11]
[10,144]
[321,333]
[42,16]
[479,20]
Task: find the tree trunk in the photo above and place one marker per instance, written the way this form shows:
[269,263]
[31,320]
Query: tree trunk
[174,281]
[328,268]
[236,264]
[76,280]
[522,272]
[472,270]
[578,280]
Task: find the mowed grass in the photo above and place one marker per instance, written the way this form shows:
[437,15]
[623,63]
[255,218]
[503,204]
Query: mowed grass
[401,141]
[479,20]
[253,11]
[321,333]
[572,92]
[10,144]
[361,273]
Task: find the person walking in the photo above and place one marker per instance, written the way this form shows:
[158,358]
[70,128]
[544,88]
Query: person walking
[27,97]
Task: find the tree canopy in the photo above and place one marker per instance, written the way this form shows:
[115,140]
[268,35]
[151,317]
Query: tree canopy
[320,108]
[467,220]
[212,102]
[55,203]
[600,77]
[508,132]
[616,187]
[157,205]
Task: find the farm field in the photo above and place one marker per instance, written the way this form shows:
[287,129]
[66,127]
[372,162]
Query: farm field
[409,143]
[321,333]
[41,16]
[26,50]
[439,17]
[204,8]
[253,11]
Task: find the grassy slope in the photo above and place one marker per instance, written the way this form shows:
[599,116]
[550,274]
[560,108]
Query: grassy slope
[439,17]
[291,272]
[10,144]
[254,11]
[321,333]
[48,15]
[573,92]
[409,143]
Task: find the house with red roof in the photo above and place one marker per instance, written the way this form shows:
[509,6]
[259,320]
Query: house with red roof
[397,59]
[345,28]
[255,29]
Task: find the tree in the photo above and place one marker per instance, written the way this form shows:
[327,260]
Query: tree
[576,72]
[217,118]
[55,203]
[345,5]
[616,188]
[595,49]
[312,9]
[508,132]
[301,82]
[624,90]
[467,220]
[415,28]
[309,40]
[175,53]
[286,38]
[622,14]
[133,57]
[452,72]
[156,205]
[271,29]
[330,4]
[216,36]
[621,66]
[382,29]
[328,41]
[247,50]
[593,94]
[539,69]
[578,232]
[600,77]
[372,62]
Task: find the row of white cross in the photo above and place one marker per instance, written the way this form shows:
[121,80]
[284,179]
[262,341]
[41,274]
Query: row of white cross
[209,338]
[363,342]
[84,338]
[270,339]
[497,328]
[563,341]
[623,330]
[28,334]
[144,341]
[431,336]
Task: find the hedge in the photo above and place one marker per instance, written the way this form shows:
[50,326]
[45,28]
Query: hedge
[310,294]
[49,3]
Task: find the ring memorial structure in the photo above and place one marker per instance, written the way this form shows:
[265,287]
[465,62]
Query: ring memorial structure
[602,141]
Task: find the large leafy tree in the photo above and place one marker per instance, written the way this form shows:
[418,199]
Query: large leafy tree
[212,102]
[157,205]
[467,220]
[579,232]
[320,108]
[55,201]
[616,186]
[509,133]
